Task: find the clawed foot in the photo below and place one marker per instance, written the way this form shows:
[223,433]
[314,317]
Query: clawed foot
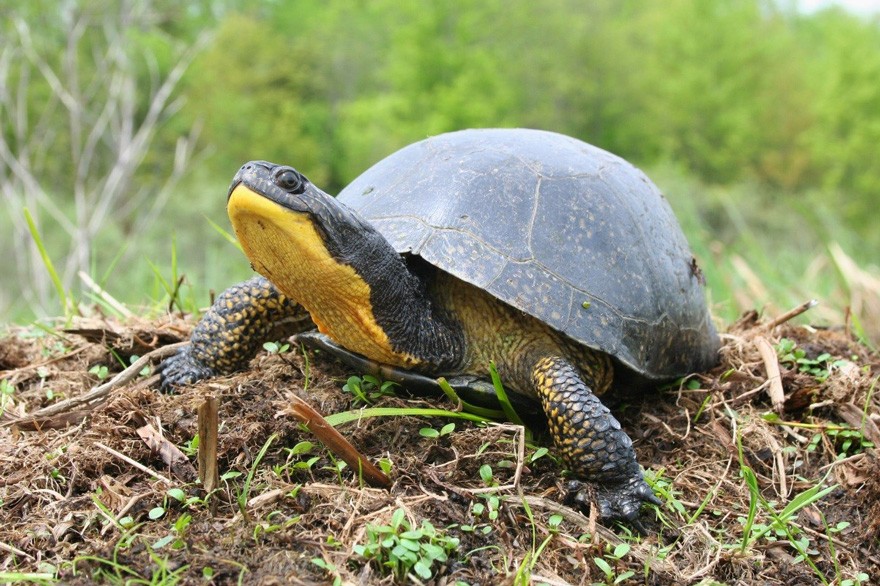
[621,501]
[181,369]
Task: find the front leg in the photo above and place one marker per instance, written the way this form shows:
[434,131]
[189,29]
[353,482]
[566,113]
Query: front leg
[590,440]
[232,331]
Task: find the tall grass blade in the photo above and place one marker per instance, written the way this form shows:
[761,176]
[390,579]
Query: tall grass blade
[225,233]
[47,262]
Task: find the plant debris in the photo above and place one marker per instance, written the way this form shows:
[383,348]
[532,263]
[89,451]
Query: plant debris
[758,487]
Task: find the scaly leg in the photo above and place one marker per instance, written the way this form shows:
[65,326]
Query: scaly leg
[232,331]
[590,440]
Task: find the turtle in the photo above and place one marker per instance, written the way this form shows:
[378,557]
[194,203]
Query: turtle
[558,262]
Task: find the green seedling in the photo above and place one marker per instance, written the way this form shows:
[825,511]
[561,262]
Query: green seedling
[609,562]
[430,432]
[399,548]
[793,356]
[782,523]
[330,569]
[67,303]
[100,371]
[368,389]
[276,347]
[245,492]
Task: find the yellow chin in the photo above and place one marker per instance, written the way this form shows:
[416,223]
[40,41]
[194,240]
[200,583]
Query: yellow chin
[285,247]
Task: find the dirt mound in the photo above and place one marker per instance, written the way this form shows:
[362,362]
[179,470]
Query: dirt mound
[766,476]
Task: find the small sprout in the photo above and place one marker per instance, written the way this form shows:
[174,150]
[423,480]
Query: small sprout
[486,474]
[400,548]
[126,522]
[191,447]
[385,465]
[539,453]
[554,522]
[586,305]
[100,371]
[177,494]
[303,447]
[430,432]
[156,513]
[368,389]
[276,348]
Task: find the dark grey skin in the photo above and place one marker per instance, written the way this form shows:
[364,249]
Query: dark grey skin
[557,260]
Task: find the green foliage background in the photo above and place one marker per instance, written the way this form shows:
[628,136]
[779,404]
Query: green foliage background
[760,123]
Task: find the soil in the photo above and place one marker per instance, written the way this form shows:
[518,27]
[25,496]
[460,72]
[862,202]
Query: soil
[92,492]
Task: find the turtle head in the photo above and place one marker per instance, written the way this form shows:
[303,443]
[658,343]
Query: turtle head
[321,254]
[261,187]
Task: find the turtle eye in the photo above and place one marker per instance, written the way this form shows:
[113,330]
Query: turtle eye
[289,180]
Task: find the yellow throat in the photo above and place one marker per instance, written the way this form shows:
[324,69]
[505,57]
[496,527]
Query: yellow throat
[284,246]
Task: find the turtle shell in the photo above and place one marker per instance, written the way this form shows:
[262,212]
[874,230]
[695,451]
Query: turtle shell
[564,231]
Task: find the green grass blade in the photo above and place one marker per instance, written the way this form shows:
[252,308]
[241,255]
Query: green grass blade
[805,499]
[224,233]
[468,407]
[338,419]
[22,577]
[508,409]
[47,262]
[243,496]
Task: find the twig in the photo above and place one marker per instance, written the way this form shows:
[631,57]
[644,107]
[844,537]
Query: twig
[134,463]
[771,363]
[14,550]
[792,313]
[336,443]
[101,391]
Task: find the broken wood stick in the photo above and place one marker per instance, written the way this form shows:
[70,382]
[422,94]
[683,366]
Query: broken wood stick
[790,314]
[97,394]
[774,377]
[337,444]
[208,426]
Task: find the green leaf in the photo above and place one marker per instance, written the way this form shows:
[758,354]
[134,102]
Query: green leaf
[397,518]
[422,569]
[177,494]
[603,565]
[621,550]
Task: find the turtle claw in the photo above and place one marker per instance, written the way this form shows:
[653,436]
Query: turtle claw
[617,502]
[182,369]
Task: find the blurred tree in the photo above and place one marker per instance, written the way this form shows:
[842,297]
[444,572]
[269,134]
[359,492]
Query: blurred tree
[726,93]
[82,98]
[844,83]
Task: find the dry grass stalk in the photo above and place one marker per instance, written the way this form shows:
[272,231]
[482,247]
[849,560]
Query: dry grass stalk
[149,471]
[208,430]
[774,378]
